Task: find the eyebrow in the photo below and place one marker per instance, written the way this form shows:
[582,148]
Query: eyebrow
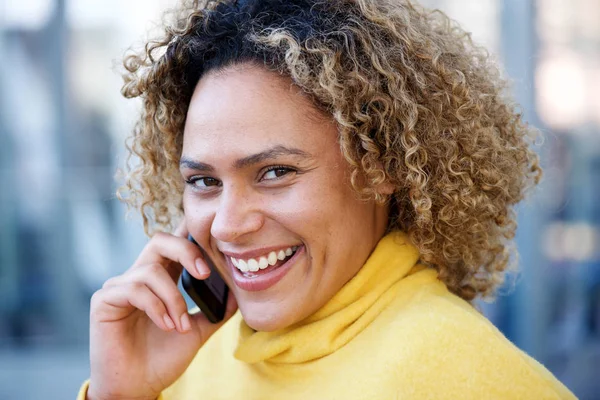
[253,159]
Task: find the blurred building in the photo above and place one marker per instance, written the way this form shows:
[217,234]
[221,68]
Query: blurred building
[62,129]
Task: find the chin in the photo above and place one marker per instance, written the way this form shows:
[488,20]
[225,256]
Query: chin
[262,321]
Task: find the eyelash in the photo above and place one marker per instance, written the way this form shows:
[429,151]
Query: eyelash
[278,167]
[192,180]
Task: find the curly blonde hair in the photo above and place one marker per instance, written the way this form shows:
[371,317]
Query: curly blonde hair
[417,104]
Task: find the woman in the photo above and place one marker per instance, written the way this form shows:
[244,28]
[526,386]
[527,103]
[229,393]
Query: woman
[361,153]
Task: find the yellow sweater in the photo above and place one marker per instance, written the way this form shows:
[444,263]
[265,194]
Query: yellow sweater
[392,332]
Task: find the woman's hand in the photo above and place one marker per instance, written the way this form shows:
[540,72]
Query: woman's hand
[141,336]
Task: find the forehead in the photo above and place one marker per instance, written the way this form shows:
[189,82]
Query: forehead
[247,108]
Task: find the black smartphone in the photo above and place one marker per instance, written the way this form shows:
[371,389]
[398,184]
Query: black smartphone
[210,294]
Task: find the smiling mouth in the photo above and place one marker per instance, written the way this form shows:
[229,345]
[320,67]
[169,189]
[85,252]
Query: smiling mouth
[255,267]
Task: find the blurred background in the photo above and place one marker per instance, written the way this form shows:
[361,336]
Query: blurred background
[62,129]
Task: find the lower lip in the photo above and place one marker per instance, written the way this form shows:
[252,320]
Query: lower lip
[264,281]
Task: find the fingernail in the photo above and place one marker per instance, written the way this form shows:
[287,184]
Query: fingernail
[185,322]
[168,322]
[200,267]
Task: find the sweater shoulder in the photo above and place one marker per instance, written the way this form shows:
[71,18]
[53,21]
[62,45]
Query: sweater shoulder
[449,336]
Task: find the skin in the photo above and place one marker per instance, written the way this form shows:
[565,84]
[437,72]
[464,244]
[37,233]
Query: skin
[141,336]
[243,111]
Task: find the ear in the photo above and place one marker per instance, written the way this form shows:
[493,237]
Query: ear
[386,188]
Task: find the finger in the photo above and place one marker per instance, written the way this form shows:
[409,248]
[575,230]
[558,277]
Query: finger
[166,247]
[155,277]
[172,269]
[115,303]
[114,281]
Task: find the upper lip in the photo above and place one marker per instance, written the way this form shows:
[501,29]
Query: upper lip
[263,251]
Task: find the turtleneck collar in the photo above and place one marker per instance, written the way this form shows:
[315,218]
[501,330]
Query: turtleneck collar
[343,317]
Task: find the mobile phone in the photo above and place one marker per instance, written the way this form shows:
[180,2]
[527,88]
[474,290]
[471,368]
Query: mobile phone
[210,294]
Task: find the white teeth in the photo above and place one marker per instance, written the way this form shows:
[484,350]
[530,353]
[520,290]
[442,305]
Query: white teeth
[263,263]
[243,266]
[253,265]
[272,258]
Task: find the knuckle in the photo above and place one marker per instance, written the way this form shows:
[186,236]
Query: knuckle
[110,282]
[154,242]
[152,273]
[136,287]
[154,268]
[191,247]
[141,273]
[96,299]
[159,236]
[176,300]
[156,305]
[190,253]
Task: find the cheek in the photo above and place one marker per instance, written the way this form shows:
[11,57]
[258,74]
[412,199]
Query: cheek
[198,220]
[302,209]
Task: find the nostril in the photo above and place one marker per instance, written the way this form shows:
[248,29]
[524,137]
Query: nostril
[234,219]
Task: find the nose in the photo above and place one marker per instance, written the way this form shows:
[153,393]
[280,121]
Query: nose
[236,215]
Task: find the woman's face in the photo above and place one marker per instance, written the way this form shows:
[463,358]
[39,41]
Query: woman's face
[267,189]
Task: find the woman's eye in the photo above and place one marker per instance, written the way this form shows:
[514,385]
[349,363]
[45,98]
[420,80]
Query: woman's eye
[276,172]
[203,182]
